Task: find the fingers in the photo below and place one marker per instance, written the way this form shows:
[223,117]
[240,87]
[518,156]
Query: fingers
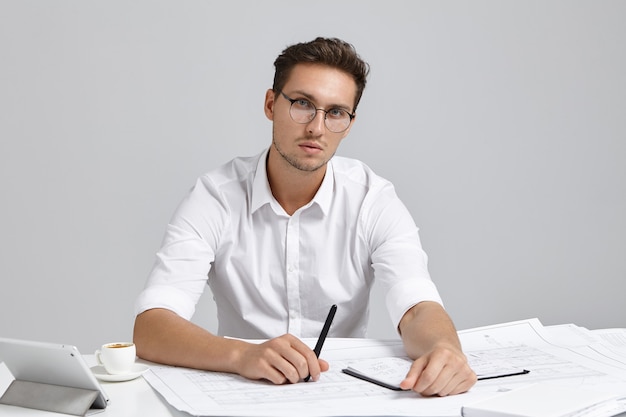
[443,372]
[281,360]
[299,361]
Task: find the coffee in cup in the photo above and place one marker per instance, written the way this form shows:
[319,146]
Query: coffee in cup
[117,358]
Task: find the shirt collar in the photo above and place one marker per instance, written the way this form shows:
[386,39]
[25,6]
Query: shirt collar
[262,193]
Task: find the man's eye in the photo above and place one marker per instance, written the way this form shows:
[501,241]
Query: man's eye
[305,104]
[337,113]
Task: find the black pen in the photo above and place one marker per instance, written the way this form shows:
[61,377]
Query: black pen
[522,372]
[322,338]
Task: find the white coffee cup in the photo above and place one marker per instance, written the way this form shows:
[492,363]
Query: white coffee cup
[117,358]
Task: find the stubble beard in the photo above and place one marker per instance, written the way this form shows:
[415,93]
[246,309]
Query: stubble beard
[295,162]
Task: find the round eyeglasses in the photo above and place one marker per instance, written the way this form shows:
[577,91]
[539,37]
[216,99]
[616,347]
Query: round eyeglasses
[302,111]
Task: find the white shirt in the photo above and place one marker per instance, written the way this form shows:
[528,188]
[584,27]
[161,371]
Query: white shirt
[272,273]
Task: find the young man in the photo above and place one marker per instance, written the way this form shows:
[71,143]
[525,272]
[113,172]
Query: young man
[285,234]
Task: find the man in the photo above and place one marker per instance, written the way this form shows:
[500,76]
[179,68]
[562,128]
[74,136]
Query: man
[285,234]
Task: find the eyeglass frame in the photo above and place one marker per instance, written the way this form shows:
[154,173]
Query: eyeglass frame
[293,100]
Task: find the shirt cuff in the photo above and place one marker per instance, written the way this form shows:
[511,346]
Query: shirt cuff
[404,295]
[160,296]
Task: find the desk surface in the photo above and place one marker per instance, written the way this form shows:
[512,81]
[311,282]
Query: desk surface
[138,398]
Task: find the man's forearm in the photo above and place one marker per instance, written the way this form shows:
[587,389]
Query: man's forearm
[164,337]
[425,326]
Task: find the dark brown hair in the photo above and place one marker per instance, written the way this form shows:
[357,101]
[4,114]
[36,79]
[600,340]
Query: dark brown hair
[326,51]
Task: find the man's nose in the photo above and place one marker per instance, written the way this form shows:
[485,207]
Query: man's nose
[318,124]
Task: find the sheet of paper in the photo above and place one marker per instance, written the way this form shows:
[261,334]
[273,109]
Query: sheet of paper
[615,337]
[559,356]
[613,340]
[545,399]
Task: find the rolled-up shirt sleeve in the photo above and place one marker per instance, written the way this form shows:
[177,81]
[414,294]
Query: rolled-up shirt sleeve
[180,272]
[399,262]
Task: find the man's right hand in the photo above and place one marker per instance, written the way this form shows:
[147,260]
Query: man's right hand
[279,360]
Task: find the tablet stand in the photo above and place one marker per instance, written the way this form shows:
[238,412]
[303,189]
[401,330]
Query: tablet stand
[47,397]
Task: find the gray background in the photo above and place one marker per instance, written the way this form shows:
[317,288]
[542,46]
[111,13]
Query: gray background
[501,123]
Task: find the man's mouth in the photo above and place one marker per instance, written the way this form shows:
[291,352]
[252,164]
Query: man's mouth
[311,146]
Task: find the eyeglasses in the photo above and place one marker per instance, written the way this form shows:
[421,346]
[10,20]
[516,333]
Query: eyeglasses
[302,111]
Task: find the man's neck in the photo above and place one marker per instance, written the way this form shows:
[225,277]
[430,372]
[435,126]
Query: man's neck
[291,187]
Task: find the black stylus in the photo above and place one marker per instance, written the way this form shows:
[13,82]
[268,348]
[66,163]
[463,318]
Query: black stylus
[322,338]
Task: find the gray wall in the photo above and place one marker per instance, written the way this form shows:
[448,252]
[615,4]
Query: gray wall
[501,123]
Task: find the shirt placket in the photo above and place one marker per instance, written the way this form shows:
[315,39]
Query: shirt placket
[292,268]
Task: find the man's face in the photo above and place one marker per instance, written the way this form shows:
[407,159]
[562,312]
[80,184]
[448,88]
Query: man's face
[308,146]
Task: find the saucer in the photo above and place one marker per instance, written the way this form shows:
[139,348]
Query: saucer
[103,375]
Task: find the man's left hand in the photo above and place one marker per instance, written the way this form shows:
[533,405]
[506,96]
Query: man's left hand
[442,371]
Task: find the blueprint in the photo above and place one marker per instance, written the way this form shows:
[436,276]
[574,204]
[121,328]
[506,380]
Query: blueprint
[567,355]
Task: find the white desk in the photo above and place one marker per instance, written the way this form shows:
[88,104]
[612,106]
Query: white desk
[527,340]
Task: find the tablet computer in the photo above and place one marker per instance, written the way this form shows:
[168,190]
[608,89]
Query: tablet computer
[53,364]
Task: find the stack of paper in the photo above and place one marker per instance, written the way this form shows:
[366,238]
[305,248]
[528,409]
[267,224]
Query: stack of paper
[566,356]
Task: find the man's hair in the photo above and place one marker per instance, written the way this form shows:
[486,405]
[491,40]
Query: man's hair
[332,52]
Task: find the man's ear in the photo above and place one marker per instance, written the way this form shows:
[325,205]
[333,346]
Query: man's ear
[270,98]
